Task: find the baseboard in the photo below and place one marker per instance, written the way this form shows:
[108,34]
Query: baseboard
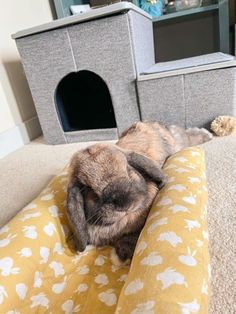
[30,129]
[15,138]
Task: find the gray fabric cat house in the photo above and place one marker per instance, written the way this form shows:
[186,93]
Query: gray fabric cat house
[93,75]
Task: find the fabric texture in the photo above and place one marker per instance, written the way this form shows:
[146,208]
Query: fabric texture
[169,271]
[40,272]
[48,57]
[198,97]
[158,97]
[141,31]
[221,175]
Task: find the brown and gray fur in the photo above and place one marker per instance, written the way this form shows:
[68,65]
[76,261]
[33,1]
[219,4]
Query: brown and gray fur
[112,186]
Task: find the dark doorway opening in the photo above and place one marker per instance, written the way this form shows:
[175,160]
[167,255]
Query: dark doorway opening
[84,102]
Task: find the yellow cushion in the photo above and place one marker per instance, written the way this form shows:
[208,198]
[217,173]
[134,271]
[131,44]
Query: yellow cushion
[40,274]
[38,271]
[169,271]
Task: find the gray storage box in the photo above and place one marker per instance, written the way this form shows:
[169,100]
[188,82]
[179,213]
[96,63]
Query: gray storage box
[190,92]
[94,74]
[100,49]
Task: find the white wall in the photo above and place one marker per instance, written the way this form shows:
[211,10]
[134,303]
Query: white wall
[18,119]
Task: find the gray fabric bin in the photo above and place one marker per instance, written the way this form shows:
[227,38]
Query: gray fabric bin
[105,44]
[191,96]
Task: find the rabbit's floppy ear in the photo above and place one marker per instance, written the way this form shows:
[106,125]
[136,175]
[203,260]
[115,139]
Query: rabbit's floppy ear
[146,167]
[76,216]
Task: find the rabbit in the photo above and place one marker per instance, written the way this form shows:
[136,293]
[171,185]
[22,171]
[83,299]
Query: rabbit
[112,186]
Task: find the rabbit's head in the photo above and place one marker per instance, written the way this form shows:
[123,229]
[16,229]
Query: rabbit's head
[108,193]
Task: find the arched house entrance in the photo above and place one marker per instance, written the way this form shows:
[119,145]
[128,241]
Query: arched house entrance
[83,102]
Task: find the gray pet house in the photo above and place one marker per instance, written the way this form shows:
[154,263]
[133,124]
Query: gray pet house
[93,75]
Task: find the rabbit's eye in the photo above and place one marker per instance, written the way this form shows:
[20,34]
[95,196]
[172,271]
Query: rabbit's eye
[112,200]
[116,201]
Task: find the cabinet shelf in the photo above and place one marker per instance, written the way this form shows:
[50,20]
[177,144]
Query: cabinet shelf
[178,14]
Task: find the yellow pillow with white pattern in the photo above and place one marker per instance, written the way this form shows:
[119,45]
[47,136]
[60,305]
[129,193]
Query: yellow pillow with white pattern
[39,273]
[170,267]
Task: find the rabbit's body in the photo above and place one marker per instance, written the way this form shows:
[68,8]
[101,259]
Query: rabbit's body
[112,186]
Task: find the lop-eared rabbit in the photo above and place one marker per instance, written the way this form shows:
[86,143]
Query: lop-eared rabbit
[112,186]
